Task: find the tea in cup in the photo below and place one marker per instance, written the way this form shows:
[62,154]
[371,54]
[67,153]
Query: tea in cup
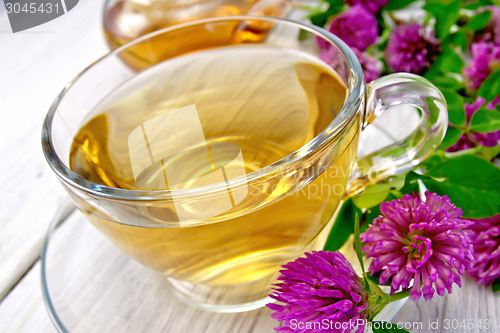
[216,165]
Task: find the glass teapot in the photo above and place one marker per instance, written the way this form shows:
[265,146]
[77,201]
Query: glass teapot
[126,20]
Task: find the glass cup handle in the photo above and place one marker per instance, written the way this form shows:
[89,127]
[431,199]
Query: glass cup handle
[383,94]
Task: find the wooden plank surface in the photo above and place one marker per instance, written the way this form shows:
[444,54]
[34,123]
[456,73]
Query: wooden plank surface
[35,65]
[95,288]
[22,310]
[472,308]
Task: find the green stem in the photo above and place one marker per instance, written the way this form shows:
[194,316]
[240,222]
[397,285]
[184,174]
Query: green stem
[462,128]
[484,152]
[398,194]
[399,295]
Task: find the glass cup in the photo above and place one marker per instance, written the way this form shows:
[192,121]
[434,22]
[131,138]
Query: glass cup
[220,235]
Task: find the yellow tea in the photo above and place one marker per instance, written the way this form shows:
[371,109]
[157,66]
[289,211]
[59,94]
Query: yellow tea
[125,21]
[257,101]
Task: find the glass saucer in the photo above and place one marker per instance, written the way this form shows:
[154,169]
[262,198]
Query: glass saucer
[88,285]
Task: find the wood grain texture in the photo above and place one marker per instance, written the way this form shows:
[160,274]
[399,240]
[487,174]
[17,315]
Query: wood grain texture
[23,310]
[35,65]
[95,288]
[473,304]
